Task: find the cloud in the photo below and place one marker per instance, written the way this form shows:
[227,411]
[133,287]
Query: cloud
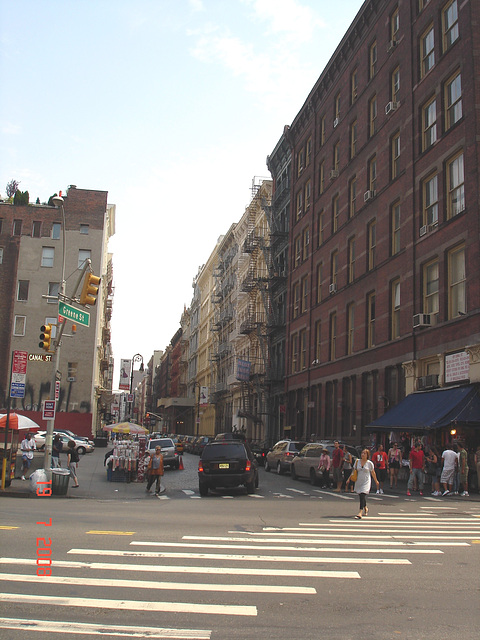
[287,17]
[196,5]
[11,129]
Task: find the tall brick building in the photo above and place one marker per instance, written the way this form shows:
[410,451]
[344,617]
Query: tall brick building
[383,289]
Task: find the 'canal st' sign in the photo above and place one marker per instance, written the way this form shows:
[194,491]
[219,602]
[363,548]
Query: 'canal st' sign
[76,315]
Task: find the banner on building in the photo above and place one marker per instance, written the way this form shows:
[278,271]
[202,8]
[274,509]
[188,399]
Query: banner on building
[203,396]
[125,370]
[243,370]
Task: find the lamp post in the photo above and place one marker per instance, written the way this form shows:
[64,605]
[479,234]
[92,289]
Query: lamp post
[136,358]
[195,385]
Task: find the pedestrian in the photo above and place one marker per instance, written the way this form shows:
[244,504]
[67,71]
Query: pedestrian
[432,466]
[27,447]
[155,471]
[462,469]
[417,468]
[57,447]
[394,463]
[72,461]
[365,472]
[337,465]
[347,466]
[450,463]
[380,462]
[324,468]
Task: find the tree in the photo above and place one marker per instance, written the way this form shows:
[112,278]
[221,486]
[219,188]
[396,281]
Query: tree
[21,198]
[12,187]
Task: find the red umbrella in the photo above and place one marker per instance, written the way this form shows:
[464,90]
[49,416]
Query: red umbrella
[17,422]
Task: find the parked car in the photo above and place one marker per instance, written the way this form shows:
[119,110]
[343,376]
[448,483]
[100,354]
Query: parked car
[227,463]
[69,433]
[170,458]
[200,443]
[39,438]
[188,443]
[281,455]
[82,445]
[305,464]
[260,452]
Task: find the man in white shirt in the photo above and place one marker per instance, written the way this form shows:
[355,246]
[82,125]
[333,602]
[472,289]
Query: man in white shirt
[28,447]
[450,462]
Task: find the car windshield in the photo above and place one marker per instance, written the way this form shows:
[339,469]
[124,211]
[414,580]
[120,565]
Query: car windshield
[224,451]
[164,444]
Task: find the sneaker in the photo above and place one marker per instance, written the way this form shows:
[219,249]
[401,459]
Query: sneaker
[381,490]
[446,492]
[465,493]
[378,491]
[408,493]
[421,493]
[23,478]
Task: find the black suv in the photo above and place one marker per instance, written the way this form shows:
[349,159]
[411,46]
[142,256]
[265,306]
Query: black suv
[227,463]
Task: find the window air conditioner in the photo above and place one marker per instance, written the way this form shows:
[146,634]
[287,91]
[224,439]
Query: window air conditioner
[427,382]
[391,45]
[332,288]
[423,230]
[368,195]
[421,320]
[391,106]
[333,174]
[335,122]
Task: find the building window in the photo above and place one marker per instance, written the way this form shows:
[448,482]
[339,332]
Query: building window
[19,325]
[83,256]
[336,156]
[336,109]
[48,256]
[305,242]
[321,178]
[455,186]
[304,284]
[372,60]
[456,283]
[308,152]
[303,349]
[395,226]
[53,289]
[430,200]
[372,174]
[353,86]
[296,300]
[299,204]
[422,4]
[353,139]
[335,213]
[351,260]
[300,161]
[350,327]
[429,124]
[333,336]
[453,100]
[298,250]
[371,320]
[322,131]
[17,227]
[394,26]
[449,24]
[427,50]
[395,309]
[395,85]
[334,267]
[372,243]
[22,290]
[36,229]
[1,255]
[294,353]
[372,116]
[318,341]
[308,195]
[319,282]
[431,287]
[1,226]
[321,228]
[56,228]
[352,197]
[395,146]
[84,229]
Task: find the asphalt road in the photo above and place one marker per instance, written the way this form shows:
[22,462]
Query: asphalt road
[289,562]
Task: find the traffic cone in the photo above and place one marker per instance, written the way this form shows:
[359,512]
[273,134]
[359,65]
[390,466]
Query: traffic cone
[180,466]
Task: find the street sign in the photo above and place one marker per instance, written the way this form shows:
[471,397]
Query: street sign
[48,410]
[67,311]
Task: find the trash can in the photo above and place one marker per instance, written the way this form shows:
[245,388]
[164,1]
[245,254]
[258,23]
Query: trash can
[60,479]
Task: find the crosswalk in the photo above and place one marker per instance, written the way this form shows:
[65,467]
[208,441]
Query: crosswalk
[209,577]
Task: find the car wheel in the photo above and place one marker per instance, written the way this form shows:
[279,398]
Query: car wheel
[293,472]
[203,489]
[250,486]
[279,468]
[313,477]
[81,451]
[266,466]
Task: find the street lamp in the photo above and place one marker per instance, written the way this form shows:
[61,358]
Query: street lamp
[197,384]
[136,358]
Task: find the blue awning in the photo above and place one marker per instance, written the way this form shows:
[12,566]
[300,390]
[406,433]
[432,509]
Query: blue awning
[427,410]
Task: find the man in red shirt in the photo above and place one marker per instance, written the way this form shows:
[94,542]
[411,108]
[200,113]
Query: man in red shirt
[417,468]
[380,460]
[337,465]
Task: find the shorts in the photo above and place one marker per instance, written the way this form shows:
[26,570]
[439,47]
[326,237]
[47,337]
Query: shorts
[26,462]
[381,474]
[395,464]
[337,474]
[447,476]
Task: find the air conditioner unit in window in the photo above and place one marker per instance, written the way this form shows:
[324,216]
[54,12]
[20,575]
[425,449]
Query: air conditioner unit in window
[427,382]
[423,230]
[391,45]
[335,122]
[368,195]
[422,320]
[333,174]
[391,106]
[332,288]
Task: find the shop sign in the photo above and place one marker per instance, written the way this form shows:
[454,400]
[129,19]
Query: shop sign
[457,367]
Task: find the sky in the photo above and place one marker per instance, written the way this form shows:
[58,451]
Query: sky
[171,106]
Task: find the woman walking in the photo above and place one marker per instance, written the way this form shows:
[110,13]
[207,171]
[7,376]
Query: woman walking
[324,468]
[365,473]
[72,461]
[394,463]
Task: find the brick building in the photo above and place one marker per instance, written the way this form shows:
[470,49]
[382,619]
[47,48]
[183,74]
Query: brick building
[383,289]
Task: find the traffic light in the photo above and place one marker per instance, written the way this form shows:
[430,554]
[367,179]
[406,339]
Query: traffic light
[45,337]
[90,289]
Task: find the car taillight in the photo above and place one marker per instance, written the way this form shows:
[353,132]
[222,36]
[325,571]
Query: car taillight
[200,466]
[248,465]
[288,454]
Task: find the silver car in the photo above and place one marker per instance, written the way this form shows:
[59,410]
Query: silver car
[280,457]
[170,457]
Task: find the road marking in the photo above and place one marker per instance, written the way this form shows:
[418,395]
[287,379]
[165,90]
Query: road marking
[166,568]
[303,493]
[131,605]
[51,626]
[281,495]
[327,539]
[255,495]
[112,533]
[150,584]
[188,492]
[7,528]
[242,558]
[335,495]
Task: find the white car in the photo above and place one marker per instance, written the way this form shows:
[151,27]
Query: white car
[81,445]
[167,445]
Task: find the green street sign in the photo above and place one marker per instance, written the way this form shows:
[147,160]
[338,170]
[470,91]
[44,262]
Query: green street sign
[75,315]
